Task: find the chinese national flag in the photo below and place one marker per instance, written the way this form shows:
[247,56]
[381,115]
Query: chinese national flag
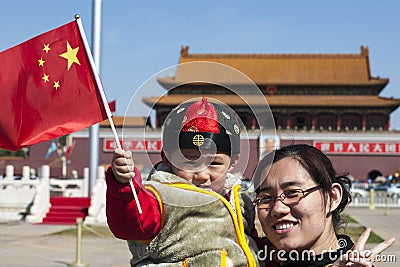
[48,88]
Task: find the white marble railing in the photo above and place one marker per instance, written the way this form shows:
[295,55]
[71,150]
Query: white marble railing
[97,212]
[41,202]
[24,197]
[70,187]
[378,200]
[16,195]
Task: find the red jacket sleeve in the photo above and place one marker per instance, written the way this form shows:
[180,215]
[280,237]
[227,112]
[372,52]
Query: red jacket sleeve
[123,216]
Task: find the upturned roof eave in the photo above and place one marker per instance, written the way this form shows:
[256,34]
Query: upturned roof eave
[170,83]
[278,101]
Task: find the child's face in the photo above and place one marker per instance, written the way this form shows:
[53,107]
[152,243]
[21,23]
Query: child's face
[206,170]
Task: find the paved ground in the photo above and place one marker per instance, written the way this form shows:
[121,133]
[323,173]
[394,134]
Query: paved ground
[385,223]
[32,245]
[24,244]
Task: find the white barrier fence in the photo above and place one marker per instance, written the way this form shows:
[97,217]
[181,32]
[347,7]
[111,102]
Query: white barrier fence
[376,200]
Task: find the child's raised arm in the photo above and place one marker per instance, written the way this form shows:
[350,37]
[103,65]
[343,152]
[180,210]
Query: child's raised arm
[123,168]
[123,216]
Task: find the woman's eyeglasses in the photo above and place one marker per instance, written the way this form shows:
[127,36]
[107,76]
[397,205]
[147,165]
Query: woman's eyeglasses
[288,197]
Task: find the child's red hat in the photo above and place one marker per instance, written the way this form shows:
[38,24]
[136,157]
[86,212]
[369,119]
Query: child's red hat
[202,125]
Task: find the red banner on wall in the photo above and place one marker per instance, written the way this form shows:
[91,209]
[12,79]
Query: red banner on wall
[366,148]
[133,145]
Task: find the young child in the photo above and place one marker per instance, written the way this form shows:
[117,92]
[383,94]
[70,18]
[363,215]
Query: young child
[193,213]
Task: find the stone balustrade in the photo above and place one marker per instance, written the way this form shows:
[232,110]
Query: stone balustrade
[28,197]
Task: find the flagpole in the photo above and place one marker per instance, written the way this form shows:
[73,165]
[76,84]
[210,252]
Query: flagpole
[94,129]
[105,103]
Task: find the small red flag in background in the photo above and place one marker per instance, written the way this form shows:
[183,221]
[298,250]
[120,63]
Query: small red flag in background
[69,149]
[48,89]
[112,105]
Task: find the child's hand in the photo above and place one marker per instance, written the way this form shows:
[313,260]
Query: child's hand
[122,165]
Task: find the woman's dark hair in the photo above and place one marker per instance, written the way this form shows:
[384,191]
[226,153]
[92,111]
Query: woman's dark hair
[318,166]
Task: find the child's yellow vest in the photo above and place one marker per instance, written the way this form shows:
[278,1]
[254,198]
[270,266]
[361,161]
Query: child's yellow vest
[199,228]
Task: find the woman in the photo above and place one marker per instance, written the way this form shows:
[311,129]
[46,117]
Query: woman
[299,201]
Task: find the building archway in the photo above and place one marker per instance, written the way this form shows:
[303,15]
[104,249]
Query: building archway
[351,121]
[301,121]
[325,121]
[280,120]
[376,121]
[373,174]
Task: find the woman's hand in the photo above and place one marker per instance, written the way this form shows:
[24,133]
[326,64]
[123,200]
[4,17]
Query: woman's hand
[359,256]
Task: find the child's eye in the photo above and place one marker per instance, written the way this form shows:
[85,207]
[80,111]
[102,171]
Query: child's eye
[216,163]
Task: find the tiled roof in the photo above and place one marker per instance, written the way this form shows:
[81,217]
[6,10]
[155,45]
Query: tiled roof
[279,69]
[282,100]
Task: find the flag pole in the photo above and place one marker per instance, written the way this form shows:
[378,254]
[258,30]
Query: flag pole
[105,103]
[95,128]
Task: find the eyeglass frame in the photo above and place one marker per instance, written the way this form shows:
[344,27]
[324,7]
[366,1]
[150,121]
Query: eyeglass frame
[282,196]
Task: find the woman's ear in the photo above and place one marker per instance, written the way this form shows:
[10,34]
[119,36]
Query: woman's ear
[336,196]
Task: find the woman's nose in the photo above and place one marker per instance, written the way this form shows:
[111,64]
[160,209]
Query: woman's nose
[278,208]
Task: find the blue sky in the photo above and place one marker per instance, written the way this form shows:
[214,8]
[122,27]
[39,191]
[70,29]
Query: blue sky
[142,38]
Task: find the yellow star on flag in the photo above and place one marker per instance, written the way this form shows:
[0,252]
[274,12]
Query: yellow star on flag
[70,55]
[41,62]
[45,77]
[46,48]
[56,85]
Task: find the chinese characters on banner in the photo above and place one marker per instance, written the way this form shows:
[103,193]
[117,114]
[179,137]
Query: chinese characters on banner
[338,147]
[133,145]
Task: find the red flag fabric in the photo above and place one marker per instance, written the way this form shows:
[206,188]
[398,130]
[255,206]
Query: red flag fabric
[48,88]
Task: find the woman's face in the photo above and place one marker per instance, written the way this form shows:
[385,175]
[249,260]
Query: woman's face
[300,226]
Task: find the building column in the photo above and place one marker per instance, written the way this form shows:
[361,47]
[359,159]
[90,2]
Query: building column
[157,122]
[288,121]
[313,122]
[253,122]
[364,122]
[387,124]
